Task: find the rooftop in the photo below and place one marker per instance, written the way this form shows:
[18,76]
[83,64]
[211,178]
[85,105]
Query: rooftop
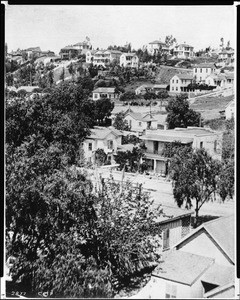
[101,133]
[184,132]
[104,90]
[185,45]
[205,65]
[182,267]
[33,49]
[157,42]
[184,76]
[171,213]
[219,274]
[222,231]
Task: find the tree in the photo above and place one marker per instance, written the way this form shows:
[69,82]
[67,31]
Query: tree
[73,241]
[50,77]
[71,70]
[130,160]
[9,79]
[194,178]
[162,95]
[119,122]
[100,157]
[22,93]
[170,40]
[62,75]
[179,113]
[103,109]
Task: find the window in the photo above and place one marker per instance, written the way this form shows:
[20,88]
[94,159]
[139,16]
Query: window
[200,78]
[176,88]
[140,124]
[110,144]
[195,70]
[90,146]
[172,88]
[206,70]
[95,96]
[176,81]
[173,81]
[165,238]
[171,291]
[200,70]
[201,145]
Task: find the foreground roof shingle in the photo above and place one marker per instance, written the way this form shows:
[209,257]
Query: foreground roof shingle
[182,267]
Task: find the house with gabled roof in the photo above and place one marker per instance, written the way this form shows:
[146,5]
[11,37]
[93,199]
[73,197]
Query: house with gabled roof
[129,60]
[183,51]
[201,265]
[157,45]
[179,83]
[108,92]
[106,138]
[203,70]
[139,122]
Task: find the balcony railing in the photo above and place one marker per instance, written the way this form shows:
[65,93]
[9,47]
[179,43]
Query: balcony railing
[158,152]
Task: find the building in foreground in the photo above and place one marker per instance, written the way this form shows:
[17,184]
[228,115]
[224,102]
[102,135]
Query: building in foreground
[201,265]
[197,137]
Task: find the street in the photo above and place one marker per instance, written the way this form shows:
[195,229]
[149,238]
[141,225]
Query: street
[161,191]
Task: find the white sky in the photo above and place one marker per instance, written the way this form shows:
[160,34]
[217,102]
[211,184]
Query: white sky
[53,27]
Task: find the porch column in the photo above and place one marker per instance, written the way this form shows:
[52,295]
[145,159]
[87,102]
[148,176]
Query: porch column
[154,165]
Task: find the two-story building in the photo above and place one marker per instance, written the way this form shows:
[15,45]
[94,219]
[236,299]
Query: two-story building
[108,92]
[105,57]
[157,45]
[90,56]
[139,122]
[68,52]
[226,58]
[196,137]
[83,47]
[179,83]
[129,60]
[183,51]
[202,71]
[36,51]
[106,138]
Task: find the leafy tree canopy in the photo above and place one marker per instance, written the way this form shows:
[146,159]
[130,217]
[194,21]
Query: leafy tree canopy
[179,113]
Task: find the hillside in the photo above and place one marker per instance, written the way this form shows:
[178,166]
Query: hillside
[209,107]
[165,73]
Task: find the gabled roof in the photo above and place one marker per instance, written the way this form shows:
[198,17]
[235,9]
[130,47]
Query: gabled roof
[219,274]
[229,75]
[33,49]
[205,65]
[184,76]
[171,213]
[80,44]
[185,45]
[104,90]
[182,267]
[222,231]
[157,42]
[101,133]
[129,54]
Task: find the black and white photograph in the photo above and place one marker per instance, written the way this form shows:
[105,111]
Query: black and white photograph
[119,152]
